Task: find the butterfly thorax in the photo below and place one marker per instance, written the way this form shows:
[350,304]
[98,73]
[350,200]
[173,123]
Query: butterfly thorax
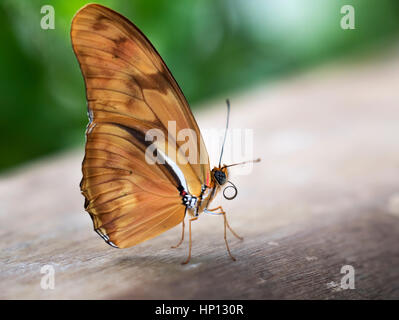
[189,200]
[196,204]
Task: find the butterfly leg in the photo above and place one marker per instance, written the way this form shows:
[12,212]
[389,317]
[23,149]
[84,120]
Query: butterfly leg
[226,224]
[225,237]
[189,246]
[225,219]
[182,237]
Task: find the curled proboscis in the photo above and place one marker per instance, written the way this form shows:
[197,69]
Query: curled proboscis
[228,187]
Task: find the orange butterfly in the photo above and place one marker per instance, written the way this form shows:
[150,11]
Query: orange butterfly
[130,91]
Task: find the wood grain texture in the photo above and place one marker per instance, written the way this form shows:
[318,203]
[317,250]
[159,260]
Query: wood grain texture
[326,194]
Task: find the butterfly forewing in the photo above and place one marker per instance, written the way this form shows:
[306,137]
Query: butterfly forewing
[129,91]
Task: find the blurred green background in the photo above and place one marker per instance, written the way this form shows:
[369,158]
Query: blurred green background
[213,48]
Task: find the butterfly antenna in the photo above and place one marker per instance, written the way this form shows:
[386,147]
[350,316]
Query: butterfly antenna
[240,163]
[225,132]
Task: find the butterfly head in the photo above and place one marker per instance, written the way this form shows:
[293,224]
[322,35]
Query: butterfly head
[219,177]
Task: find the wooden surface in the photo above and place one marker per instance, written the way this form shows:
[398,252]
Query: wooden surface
[326,194]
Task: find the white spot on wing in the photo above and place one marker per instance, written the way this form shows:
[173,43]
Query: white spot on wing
[176,169]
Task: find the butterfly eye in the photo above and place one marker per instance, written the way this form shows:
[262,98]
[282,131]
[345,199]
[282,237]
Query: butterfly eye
[220,177]
[234,190]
